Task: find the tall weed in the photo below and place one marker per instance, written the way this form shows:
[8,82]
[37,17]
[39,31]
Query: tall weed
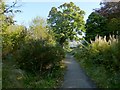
[102,54]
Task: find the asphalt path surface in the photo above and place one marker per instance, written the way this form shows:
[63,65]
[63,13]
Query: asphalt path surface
[74,76]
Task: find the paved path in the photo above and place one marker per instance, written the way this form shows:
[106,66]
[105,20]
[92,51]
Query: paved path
[75,76]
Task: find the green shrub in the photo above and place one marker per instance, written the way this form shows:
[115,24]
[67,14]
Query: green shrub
[106,52]
[102,54]
[37,56]
[30,51]
[13,38]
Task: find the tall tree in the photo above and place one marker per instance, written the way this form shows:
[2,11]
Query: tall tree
[39,30]
[5,8]
[11,35]
[66,22]
[6,14]
[107,23]
[95,25]
[109,9]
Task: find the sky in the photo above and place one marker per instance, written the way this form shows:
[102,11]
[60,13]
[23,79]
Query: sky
[40,8]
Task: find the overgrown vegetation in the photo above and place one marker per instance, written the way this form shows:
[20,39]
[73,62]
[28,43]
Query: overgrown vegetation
[101,61]
[66,22]
[31,57]
[100,57]
[104,21]
[36,56]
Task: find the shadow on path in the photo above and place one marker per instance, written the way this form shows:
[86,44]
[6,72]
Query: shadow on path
[74,76]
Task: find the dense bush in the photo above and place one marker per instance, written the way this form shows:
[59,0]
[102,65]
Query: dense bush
[13,37]
[102,55]
[107,52]
[32,51]
[37,56]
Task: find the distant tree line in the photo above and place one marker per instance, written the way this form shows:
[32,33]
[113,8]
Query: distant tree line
[104,21]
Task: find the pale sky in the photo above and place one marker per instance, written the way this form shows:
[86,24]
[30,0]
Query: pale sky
[41,8]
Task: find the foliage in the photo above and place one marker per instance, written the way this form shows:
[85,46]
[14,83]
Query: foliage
[95,25]
[6,21]
[52,80]
[13,38]
[102,56]
[109,9]
[32,46]
[38,30]
[114,26]
[36,56]
[6,14]
[66,22]
[104,21]
[8,9]
[13,77]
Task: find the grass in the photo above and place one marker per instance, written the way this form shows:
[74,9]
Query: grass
[53,80]
[10,75]
[14,77]
[102,78]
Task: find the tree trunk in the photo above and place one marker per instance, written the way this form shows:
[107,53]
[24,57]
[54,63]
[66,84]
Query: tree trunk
[62,40]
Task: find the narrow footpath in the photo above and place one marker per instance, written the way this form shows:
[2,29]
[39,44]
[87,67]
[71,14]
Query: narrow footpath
[75,77]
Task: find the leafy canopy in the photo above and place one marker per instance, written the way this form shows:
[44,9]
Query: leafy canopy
[66,21]
[104,21]
[38,30]
[95,25]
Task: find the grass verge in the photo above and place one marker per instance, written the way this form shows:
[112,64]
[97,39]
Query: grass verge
[101,61]
[102,77]
[14,77]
